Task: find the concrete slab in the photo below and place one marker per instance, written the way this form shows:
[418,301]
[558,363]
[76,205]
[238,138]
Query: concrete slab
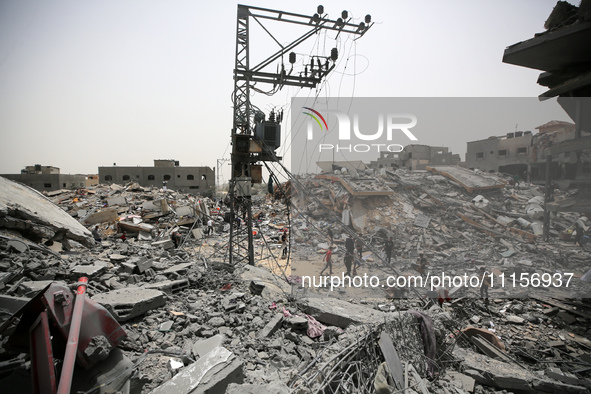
[17,246]
[143,264]
[461,381]
[201,348]
[178,268]
[497,373]
[118,200]
[341,313]
[209,374]
[164,244]
[105,215]
[169,286]
[30,287]
[468,179]
[21,202]
[185,211]
[125,304]
[89,271]
[271,326]
[116,257]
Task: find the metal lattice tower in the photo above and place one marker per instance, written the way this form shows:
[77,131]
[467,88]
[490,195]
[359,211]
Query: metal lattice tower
[243,156]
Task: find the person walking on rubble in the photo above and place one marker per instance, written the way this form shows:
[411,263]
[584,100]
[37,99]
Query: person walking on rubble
[176,239]
[328,259]
[516,180]
[330,235]
[484,284]
[350,245]
[284,243]
[388,246]
[422,263]
[579,232]
[348,262]
[209,226]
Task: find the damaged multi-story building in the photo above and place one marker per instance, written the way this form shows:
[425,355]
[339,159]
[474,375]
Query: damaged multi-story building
[415,157]
[169,173]
[47,178]
[509,153]
[524,153]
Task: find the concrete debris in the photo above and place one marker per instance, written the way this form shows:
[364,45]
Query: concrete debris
[130,302]
[194,323]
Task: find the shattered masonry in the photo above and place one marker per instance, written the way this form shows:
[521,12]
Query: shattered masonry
[193,323]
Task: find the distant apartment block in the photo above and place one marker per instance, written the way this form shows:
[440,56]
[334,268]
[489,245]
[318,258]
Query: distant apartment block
[509,153]
[47,178]
[524,153]
[198,180]
[416,157]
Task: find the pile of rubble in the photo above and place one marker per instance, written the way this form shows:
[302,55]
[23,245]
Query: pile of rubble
[194,323]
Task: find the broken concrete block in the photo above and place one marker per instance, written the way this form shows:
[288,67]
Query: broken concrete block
[17,246]
[209,374]
[164,244]
[185,211]
[297,322]
[271,326]
[201,348]
[551,386]
[116,258]
[256,287]
[557,374]
[514,319]
[178,268]
[169,286]
[21,206]
[496,373]
[461,381]
[119,200]
[88,270]
[127,303]
[31,287]
[340,313]
[142,264]
[106,215]
[127,268]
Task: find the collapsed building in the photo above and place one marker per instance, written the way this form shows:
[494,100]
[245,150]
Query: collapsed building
[187,321]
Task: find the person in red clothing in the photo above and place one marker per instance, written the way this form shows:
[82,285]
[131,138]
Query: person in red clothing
[328,259]
[123,237]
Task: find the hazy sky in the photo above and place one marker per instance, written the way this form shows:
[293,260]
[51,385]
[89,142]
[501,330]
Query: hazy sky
[90,83]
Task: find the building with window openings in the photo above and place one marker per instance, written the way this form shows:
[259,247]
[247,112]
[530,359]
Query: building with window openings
[197,180]
[47,178]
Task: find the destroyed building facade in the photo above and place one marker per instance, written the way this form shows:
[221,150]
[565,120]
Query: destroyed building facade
[416,157]
[199,180]
[510,153]
[47,178]
[523,152]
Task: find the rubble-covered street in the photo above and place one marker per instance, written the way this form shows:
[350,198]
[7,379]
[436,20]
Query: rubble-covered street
[194,323]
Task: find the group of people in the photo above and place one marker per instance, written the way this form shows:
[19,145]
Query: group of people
[352,259]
